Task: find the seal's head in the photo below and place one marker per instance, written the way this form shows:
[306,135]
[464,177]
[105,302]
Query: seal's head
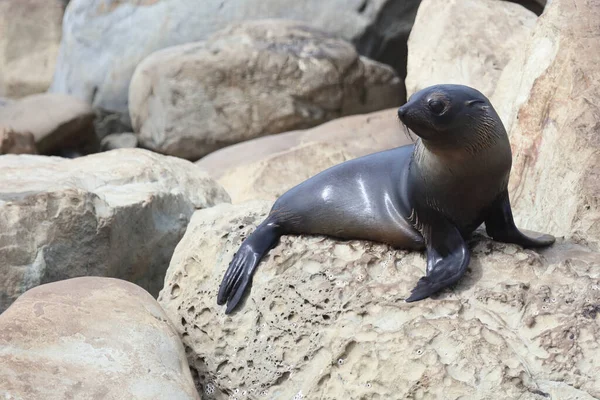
[444,115]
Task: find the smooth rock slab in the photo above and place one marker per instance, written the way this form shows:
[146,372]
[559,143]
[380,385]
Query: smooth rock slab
[91,338]
[117,214]
[267,167]
[249,80]
[467,42]
[327,319]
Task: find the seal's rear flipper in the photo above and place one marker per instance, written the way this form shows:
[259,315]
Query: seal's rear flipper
[501,227]
[239,274]
[447,259]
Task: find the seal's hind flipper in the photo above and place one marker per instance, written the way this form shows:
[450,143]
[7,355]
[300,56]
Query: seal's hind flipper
[238,277]
[447,259]
[501,227]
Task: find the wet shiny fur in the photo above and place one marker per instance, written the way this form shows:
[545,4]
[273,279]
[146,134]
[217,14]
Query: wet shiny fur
[430,195]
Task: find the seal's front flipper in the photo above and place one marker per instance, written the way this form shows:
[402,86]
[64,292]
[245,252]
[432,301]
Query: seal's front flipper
[447,259]
[501,227]
[239,274]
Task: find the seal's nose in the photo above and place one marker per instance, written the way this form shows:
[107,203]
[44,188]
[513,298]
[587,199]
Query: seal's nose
[402,111]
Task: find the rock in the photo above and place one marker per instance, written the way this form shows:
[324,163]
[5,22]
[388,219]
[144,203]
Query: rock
[57,122]
[108,123]
[267,167]
[96,62]
[4,102]
[117,214]
[249,80]
[548,97]
[119,141]
[90,338]
[327,319]
[465,41]
[12,142]
[30,32]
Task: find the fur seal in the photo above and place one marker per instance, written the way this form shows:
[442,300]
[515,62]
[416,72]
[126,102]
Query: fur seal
[428,195]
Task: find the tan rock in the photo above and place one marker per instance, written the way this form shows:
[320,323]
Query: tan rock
[30,32]
[548,96]
[12,142]
[265,168]
[90,338]
[467,42]
[249,80]
[58,122]
[326,319]
[117,214]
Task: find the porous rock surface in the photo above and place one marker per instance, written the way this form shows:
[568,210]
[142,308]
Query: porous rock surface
[104,40]
[267,167]
[117,214]
[467,42]
[30,33]
[548,97]
[91,338]
[249,80]
[327,319]
[58,122]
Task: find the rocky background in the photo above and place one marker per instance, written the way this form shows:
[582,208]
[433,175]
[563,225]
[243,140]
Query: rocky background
[143,140]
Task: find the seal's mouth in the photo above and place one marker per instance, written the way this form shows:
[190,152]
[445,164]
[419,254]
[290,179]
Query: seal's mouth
[412,122]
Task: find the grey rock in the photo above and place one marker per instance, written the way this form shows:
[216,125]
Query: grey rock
[119,141]
[104,40]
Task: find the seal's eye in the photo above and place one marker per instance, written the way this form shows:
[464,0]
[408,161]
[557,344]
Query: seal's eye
[436,106]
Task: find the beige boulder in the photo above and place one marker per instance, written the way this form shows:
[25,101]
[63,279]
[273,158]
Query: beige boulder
[30,33]
[249,80]
[12,142]
[466,42]
[117,214]
[267,167]
[326,319]
[58,122]
[548,97]
[91,338]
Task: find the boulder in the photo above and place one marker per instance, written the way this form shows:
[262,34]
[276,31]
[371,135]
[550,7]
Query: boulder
[58,122]
[12,142]
[91,338]
[249,80]
[104,40]
[548,97]
[327,319]
[4,102]
[119,141]
[30,33]
[117,214]
[267,167]
[467,42]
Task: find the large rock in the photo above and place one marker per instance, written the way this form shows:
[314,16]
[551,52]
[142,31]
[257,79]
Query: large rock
[548,97]
[465,41]
[117,214]
[249,80]
[30,32]
[267,167]
[91,338]
[327,319]
[57,122]
[104,40]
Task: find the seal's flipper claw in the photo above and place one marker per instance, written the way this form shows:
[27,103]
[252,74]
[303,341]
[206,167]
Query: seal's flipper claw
[423,290]
[238,293]
[500,226]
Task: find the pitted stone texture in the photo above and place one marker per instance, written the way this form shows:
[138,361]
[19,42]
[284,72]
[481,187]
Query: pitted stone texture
[467,42]
[548,97]
[91,338]
[117,214]
[327,319]
[265,168]
[249,80]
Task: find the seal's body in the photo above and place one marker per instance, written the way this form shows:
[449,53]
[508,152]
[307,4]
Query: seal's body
[431,195]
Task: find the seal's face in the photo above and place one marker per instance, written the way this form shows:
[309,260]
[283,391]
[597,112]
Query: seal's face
[444,112]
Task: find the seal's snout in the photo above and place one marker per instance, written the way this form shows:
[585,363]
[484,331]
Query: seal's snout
[402,111]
